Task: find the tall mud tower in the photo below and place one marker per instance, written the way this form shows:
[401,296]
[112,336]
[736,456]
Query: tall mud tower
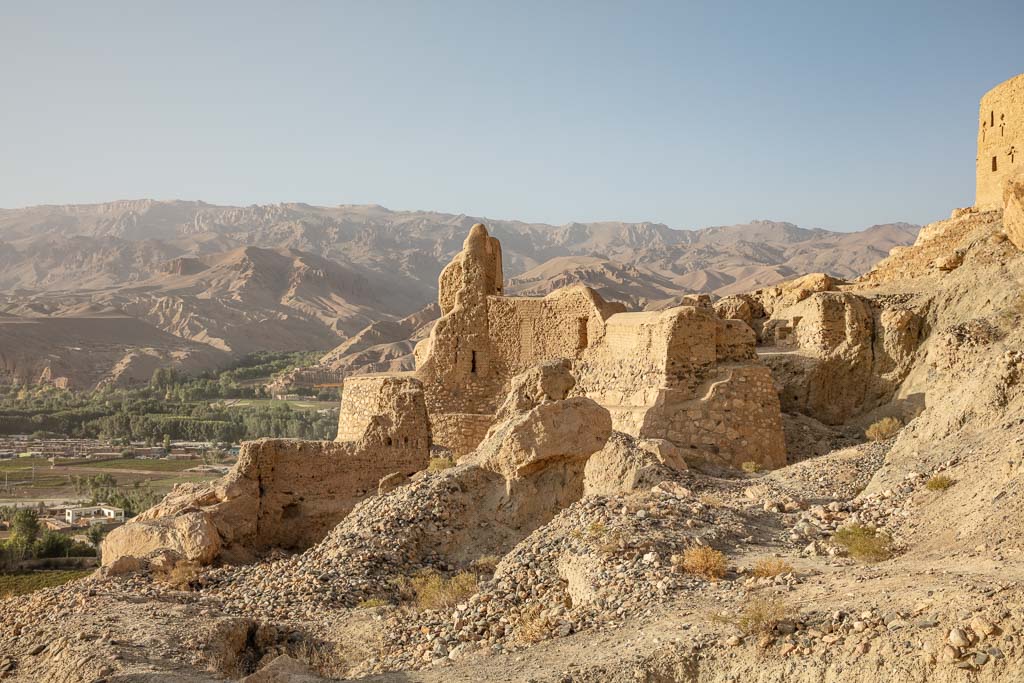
[1000,141]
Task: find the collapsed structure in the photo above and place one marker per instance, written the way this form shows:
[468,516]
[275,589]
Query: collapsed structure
[685,374]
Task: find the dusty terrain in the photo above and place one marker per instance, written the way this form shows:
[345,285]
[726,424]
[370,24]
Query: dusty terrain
[577,553]
[230,280]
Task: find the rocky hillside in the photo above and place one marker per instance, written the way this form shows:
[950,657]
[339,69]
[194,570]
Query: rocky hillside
[560,550]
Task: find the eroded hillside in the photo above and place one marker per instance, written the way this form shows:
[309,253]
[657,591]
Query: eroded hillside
[561,549]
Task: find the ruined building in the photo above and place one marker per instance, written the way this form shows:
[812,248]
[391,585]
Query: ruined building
[684,374]
[1000,141]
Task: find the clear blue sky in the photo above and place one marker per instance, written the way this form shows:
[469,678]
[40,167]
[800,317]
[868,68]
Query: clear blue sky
[827,114]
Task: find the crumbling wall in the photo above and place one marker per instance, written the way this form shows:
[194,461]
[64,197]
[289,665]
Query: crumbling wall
[286,493]
[388,408]
[648,369]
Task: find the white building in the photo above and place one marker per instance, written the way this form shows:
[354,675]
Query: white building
[104,512]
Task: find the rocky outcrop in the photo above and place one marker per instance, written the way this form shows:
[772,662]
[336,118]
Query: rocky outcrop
[837,354]
[1013,210]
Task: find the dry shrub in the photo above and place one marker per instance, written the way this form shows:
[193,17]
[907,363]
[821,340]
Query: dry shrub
[531,626]
[886,428]
[331,660]
[182,575]
[369,603]
[430,590]
[441,463]
[864,543]
[762,614]
[767,567]
[711,500]
[939,482]
[485,565]
[751,467]
[320,657]
[704,561]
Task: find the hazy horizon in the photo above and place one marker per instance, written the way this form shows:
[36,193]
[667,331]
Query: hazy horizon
[838,118]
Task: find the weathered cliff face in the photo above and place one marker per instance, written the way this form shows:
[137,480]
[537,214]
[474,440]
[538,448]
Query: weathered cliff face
[1013,210]
[285,493]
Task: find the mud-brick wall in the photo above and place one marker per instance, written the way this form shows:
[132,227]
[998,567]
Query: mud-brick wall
[737,421]
[359,403]
[307,487]
[383,403]
[461,432]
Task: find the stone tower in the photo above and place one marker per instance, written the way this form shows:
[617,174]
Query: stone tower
[1000,141]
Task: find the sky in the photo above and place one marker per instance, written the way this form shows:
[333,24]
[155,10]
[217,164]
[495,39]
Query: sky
[827,114]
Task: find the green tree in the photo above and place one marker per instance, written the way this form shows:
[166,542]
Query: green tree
[95,535]
[24,530]
[167,443]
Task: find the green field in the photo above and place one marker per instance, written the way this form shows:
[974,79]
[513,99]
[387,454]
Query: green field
[19,583]
[14,464]
[302,404]
[135,465]
[165,485]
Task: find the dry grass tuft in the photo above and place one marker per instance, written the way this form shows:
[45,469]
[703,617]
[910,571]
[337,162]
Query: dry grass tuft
[762,614]
[864,543]
[440,464]
[183,575]
[767,567]
[330,660]
[531,626]
[369,603]
[886,428]
[430,590]
[939,482]
[704,561]
[485,565]
[751,467]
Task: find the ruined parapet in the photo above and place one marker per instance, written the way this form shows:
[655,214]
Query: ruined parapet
[286,493]
[1000,141]
[384,410]
[692,378]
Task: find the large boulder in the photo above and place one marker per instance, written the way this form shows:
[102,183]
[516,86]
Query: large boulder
[550,433]
[192,535]
[626,465]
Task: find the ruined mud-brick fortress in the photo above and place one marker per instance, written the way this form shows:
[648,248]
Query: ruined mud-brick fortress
[684,374]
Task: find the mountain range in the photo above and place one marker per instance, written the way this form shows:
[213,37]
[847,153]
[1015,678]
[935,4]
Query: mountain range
[203,283]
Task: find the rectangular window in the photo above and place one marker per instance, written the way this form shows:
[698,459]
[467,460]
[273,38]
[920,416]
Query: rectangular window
[994,164]
[472,367]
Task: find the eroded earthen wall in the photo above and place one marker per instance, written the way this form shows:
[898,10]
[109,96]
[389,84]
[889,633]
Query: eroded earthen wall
[653,371]
[389,410]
